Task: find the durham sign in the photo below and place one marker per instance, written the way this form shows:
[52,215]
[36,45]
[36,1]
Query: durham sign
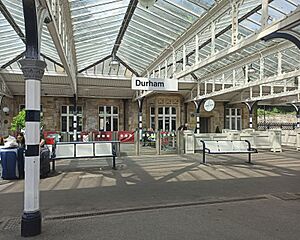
[154,84]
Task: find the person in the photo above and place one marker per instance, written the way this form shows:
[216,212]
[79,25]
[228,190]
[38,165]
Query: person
[1,141]
[183,127]
[218,129]
[21,140]
[10,142]
[107,125]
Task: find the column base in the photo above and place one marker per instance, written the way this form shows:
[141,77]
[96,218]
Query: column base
[31,224]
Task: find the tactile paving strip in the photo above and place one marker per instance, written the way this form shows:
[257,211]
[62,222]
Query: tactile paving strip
[11,224]
[287,196]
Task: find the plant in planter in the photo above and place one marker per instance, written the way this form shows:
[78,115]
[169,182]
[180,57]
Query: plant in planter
[18,121]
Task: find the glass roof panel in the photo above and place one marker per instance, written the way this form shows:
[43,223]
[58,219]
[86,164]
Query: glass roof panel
[155,29]
[96,23]
[15,8]
[11,44]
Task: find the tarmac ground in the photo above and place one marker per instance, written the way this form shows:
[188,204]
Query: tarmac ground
[164,197]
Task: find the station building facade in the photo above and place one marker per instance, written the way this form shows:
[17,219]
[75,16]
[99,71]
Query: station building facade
[164,112]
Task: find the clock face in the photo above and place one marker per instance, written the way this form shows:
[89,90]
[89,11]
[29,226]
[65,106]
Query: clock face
[209,105]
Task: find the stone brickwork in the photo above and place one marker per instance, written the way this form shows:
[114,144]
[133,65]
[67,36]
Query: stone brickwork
[6,119]
[128,112]
[280,118]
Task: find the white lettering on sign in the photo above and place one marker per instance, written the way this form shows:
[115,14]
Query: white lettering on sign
[154,84]
[209,105]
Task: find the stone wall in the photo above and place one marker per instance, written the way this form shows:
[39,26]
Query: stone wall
[280,118]
[128,112]
[6,119]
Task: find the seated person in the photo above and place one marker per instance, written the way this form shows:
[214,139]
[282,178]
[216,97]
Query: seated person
[183,127]
[21,140]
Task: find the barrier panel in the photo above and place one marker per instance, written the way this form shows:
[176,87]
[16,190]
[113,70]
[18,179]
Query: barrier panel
[126,136]
[103,136]
[231,135]
[264,139]
[168,141]
[85,149]
[84,137]
[291,138]
[258,139]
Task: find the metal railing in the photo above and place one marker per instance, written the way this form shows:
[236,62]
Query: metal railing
[276,125]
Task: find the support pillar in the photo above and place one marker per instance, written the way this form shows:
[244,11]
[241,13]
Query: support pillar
[297,107]
[75,118]
[250,106]
[33,71]
[198,104]
[140,116]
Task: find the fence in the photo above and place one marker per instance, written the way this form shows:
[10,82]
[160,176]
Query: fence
[276,125]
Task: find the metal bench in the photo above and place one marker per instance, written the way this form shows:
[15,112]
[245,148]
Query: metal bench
[227,147]
[99,149]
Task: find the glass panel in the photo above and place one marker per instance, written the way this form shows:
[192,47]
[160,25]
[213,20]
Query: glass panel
[108,124]
[115,111]
[101,123]
[79,109]
[238,112]
[227,111]
[152,111]
[167,110]
[71,124]
[160,123]
[227,123]
[173,124]
[238,123]
[101,109]
[167,124]
[115,124]
[233,127]
[152,122]
[71,109]
[108,109]
[64,124]
[63,109]
[173,110]
[233,112]
[160,110]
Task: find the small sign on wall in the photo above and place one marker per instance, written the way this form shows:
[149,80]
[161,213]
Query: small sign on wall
[154,84]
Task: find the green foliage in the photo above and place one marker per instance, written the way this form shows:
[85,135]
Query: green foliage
[18,121]
[272,111]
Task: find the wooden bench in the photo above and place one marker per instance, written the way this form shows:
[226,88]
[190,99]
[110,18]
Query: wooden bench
[227,147]
[98,149]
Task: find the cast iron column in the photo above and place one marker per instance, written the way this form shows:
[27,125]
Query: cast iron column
[33,71]
[140,116]
[250,106]
[198,104]
[297,114]
[75,118]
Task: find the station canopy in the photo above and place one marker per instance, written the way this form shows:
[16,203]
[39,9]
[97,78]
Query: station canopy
[93,47]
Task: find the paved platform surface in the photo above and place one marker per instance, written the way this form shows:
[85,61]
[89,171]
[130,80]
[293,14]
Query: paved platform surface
[165,197]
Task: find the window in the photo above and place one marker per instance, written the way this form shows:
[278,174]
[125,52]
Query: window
[108,118]
[67,114]
[167,118]
[152,117]
[233,119]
